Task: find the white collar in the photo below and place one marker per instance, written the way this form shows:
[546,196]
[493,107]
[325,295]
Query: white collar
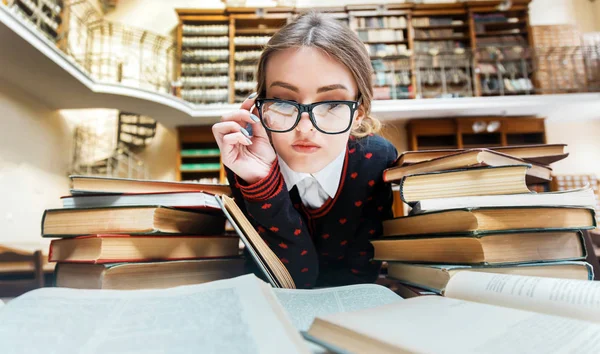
[328,177]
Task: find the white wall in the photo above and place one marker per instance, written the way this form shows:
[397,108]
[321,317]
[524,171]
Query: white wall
[161,155]
[35,146]
[583,146]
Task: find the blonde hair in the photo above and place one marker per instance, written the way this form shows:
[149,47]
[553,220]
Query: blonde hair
[338,41]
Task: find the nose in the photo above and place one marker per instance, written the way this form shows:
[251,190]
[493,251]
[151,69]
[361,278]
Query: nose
[304,125]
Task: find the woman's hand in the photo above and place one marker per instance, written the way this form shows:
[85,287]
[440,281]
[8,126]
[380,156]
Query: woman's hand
[249,157]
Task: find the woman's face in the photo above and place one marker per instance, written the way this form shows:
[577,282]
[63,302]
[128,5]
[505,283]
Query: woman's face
[307,75]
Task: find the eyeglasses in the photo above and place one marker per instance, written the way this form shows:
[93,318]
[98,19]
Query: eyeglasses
[328,117]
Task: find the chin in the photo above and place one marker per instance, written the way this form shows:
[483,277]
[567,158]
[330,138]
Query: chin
[307,164]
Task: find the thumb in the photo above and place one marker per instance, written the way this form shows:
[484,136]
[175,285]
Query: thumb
[257,128]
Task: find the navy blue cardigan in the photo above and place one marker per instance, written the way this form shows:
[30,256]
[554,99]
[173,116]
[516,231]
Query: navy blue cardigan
[330,245]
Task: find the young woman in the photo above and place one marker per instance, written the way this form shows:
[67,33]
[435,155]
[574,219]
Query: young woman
[309,175]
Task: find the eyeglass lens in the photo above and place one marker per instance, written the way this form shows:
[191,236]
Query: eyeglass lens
[329,117]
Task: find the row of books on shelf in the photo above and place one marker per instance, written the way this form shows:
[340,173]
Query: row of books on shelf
[209,68]
[503,54]
[204,180]
[383,50]
[449,75]
[206,166]
[222,41]
[247,55]
[438,46]
[380,35]
[205,54]
[392,92]
[385,22]
[205,94]
[509,68]
[244,85]
[436,21]
[251,40]
[494,85]
[502,41]
[494,18]
[205,80]
[438,33]
[205,29]
[392,79]
[480,29]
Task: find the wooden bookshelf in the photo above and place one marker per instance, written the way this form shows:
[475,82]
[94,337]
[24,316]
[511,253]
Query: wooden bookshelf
[385,32]
[198,157]
[464,49]
[500,40]
[464,132]
[203,40]
[251,30]
[443,66]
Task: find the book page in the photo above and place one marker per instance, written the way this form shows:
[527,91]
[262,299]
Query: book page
[578,299]
[434,324]
[304,305]
[227,316]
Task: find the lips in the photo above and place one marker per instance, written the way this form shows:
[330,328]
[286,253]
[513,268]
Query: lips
[305,146]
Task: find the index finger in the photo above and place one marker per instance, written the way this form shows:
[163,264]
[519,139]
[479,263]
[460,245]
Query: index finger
[249,102]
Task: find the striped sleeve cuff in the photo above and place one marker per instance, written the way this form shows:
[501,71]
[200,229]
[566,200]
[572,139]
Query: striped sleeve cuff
[266,188]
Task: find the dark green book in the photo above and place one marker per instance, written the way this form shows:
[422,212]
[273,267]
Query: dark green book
[200,166]
[200,152]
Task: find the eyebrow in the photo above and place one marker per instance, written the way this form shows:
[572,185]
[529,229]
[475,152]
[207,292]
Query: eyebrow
[319,90]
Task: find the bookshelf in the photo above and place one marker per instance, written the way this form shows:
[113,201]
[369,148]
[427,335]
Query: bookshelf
[198,157]
[386,38]
[463,49]
[203,47]
[46,15]
[501,41]
[251,29]
[474,132]
[442,59]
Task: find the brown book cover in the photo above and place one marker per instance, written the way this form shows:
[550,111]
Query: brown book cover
[142,220]
[464,182]
[544,154]
[126,248]
[503,248]
[481,221]
[435,277]
[92,184]
[146,275]
[468,159]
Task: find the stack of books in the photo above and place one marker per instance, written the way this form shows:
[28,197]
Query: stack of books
[474,210]
[132,234]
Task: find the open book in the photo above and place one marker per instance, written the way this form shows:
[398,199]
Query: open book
[266,260]
[242,314]
[482,312]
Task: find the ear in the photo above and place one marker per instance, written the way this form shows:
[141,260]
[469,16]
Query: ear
[359,115]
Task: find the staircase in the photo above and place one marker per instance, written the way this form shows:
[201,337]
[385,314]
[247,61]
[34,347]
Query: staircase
[111,146]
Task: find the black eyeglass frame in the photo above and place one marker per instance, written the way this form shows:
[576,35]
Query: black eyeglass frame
[353,105]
